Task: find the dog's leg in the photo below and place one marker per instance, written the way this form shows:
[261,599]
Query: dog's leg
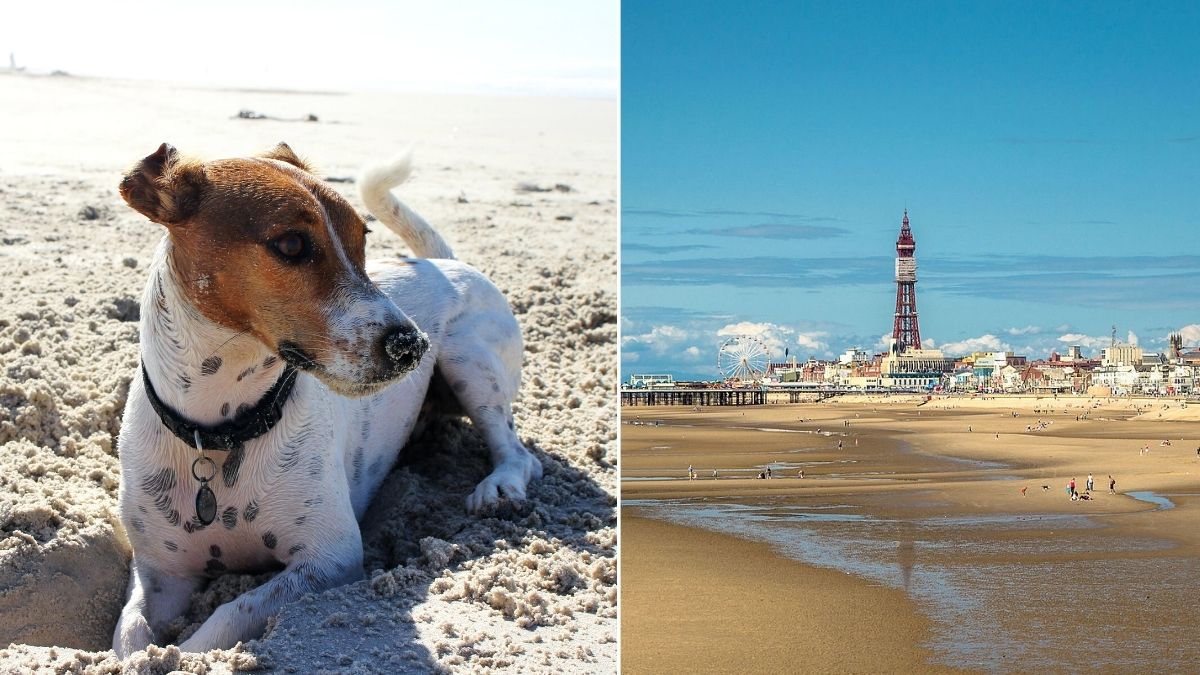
[513,466]
[246,617]
[155,598]
[485,388]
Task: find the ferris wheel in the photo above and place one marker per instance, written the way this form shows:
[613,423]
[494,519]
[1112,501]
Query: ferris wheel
[743,358]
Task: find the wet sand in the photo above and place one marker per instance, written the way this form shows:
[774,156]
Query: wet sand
[785,617]
[927,499]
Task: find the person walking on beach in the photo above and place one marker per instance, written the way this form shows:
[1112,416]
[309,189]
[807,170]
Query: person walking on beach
[1112,485]
[1091,483]
[691,472]
[1073,492]
[768,472]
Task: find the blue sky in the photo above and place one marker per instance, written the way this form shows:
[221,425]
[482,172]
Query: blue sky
[1048,154]
[466,46]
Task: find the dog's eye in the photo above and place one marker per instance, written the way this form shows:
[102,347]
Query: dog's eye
[291,245]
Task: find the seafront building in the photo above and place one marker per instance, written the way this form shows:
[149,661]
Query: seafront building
[999,372]
[651,381]
[1121,355]
[914,368]
[986,372]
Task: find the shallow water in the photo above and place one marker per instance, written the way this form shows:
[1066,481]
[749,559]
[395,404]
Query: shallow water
[705,473]
[1162,502]
[1005,592]
[773,430]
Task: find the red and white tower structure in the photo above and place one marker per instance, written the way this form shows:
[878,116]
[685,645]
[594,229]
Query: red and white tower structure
[906,334]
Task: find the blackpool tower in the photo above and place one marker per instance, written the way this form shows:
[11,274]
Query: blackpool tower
[905,332]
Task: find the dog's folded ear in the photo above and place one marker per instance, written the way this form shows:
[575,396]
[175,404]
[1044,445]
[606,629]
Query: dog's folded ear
[163,187]
[284,153]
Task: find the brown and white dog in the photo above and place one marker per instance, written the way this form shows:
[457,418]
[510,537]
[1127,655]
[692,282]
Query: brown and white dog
[280,377]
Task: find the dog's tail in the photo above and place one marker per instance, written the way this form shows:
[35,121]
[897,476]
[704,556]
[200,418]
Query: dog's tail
[375,185]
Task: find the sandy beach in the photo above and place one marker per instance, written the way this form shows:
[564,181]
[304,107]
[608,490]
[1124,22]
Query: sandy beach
[524,188]
[926,500]
[786,617]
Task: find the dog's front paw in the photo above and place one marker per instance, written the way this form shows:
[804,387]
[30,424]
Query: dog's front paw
[133,634]
[508,480]
[222,630]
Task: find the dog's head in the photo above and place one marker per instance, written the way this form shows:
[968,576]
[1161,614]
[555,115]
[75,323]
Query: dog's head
[261,245]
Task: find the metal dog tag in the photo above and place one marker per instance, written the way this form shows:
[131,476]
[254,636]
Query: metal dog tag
[206,504]
[206,501]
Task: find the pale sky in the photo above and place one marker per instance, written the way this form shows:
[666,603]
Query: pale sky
[465,46]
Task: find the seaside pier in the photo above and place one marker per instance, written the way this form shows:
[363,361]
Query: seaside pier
[740,397]
[693,397]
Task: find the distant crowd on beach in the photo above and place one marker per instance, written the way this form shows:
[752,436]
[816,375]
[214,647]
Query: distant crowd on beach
[1041,424]
[765,474]
[1073,492]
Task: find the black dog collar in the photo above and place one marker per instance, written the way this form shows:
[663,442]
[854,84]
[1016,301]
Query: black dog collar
[245,426]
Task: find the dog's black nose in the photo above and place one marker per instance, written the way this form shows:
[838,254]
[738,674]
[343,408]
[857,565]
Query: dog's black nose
[404,348]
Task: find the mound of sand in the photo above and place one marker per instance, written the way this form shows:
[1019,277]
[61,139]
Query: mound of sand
[532,588]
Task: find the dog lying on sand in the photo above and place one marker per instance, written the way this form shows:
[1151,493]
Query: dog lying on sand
[280,376]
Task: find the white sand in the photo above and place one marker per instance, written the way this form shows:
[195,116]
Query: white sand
[531,591]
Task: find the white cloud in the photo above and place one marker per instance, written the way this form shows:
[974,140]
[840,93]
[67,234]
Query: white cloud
[777,338]
[774,336]
[660,339]
[1027,330]
[983,343]
[1093,343]
[1191,334]
[1132,338]
[748,328]
[692,351]
[630,357]
[812,340]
